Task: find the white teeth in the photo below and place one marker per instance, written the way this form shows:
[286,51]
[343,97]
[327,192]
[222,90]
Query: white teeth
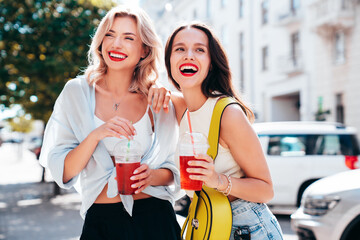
[187,67]
[117,55]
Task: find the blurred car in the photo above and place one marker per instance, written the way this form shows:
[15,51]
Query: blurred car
[13,140]
[330,209]
[34,145]
[300,153]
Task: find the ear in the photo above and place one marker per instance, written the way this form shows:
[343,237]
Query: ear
[145,52]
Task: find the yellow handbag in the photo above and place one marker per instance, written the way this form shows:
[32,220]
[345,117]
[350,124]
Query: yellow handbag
[210,215]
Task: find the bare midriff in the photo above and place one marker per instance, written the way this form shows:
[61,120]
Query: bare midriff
[103,198]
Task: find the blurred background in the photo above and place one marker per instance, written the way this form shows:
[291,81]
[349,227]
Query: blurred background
[292,60]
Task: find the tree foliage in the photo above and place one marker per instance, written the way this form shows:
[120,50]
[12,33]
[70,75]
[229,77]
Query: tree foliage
[21,124]
[43,44]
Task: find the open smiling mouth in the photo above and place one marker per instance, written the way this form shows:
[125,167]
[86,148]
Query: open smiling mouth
[117,56]
[188,70]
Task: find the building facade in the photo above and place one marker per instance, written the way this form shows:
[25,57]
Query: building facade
[291,59]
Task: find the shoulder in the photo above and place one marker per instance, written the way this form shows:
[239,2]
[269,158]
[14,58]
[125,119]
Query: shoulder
[76,84]
[233,117]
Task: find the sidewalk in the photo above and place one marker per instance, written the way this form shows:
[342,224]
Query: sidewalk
[27,208]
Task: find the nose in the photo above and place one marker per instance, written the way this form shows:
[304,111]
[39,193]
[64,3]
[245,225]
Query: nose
[118,42]
[189,55]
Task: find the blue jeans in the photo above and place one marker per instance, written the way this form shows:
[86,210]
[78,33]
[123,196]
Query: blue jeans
[257,217]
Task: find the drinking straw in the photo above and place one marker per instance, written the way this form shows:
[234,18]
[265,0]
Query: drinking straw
[128,148]
[190,129]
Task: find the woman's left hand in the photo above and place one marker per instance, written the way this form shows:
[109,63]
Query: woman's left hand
[204,166]
[142,176]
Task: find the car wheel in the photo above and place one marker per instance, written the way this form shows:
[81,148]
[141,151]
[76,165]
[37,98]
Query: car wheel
[302,190]
[352,231]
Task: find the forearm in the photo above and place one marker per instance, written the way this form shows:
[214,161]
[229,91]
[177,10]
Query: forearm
[162,177]
[77,159]
[249,189]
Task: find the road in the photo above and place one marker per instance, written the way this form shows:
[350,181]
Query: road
[28,209]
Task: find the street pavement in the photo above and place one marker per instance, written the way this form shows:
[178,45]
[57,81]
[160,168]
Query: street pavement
[29,210]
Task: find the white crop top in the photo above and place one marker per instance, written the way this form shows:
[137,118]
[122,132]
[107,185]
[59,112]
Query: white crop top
[144,134]
[200,122]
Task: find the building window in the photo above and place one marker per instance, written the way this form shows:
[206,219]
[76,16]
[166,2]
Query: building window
[294,6]
[339,55]
[241,8]
[339,108]
[264,12]
[224,35]
[295,48]
[265,58]
[241,56]
[208,9]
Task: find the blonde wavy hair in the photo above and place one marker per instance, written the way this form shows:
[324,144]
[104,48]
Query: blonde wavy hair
[146,71]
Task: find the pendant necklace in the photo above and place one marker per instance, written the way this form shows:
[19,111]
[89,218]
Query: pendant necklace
[116,104]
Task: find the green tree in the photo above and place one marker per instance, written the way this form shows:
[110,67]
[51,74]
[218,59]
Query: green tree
[43,44]
[21,124]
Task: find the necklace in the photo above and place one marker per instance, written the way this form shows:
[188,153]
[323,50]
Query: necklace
[116,104]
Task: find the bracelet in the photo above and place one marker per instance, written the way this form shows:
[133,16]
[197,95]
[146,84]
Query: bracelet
[219,183]
[227,191]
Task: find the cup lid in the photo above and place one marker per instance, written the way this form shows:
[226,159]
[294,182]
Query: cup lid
[127,147]
[194,138]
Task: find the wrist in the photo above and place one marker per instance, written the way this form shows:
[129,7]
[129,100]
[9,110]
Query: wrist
[94,137]
[222,183]
[228,185]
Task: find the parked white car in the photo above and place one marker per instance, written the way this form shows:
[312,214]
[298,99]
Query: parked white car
[330,209]
[299,153]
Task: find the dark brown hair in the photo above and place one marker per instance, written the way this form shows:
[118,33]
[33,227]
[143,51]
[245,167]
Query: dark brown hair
[218,81]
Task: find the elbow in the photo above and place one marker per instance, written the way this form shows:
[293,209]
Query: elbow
[268,194]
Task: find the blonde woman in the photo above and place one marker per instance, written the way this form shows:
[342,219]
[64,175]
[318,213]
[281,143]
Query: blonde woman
[95,111]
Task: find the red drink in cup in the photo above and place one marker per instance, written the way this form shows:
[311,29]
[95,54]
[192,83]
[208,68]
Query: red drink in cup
[185,181]
[191,144]
[124,171]
[127,158]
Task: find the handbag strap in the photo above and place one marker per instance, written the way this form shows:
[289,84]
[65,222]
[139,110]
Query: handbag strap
[213,139]
[214,130]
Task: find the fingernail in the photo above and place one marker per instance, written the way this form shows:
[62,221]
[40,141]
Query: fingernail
[133,186]
[135,132]
[132,178]
[165,106]
[135,172]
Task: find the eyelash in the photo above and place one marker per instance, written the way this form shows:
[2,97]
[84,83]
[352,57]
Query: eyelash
[182,49]
[110,35]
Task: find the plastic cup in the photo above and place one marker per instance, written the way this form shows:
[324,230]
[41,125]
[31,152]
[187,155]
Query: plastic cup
[189,145]
[127,156]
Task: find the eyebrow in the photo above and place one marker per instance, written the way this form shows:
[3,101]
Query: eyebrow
[181,43]
[126,33]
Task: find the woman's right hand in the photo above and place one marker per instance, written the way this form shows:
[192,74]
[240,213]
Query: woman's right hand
[115,127]
[159,97]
